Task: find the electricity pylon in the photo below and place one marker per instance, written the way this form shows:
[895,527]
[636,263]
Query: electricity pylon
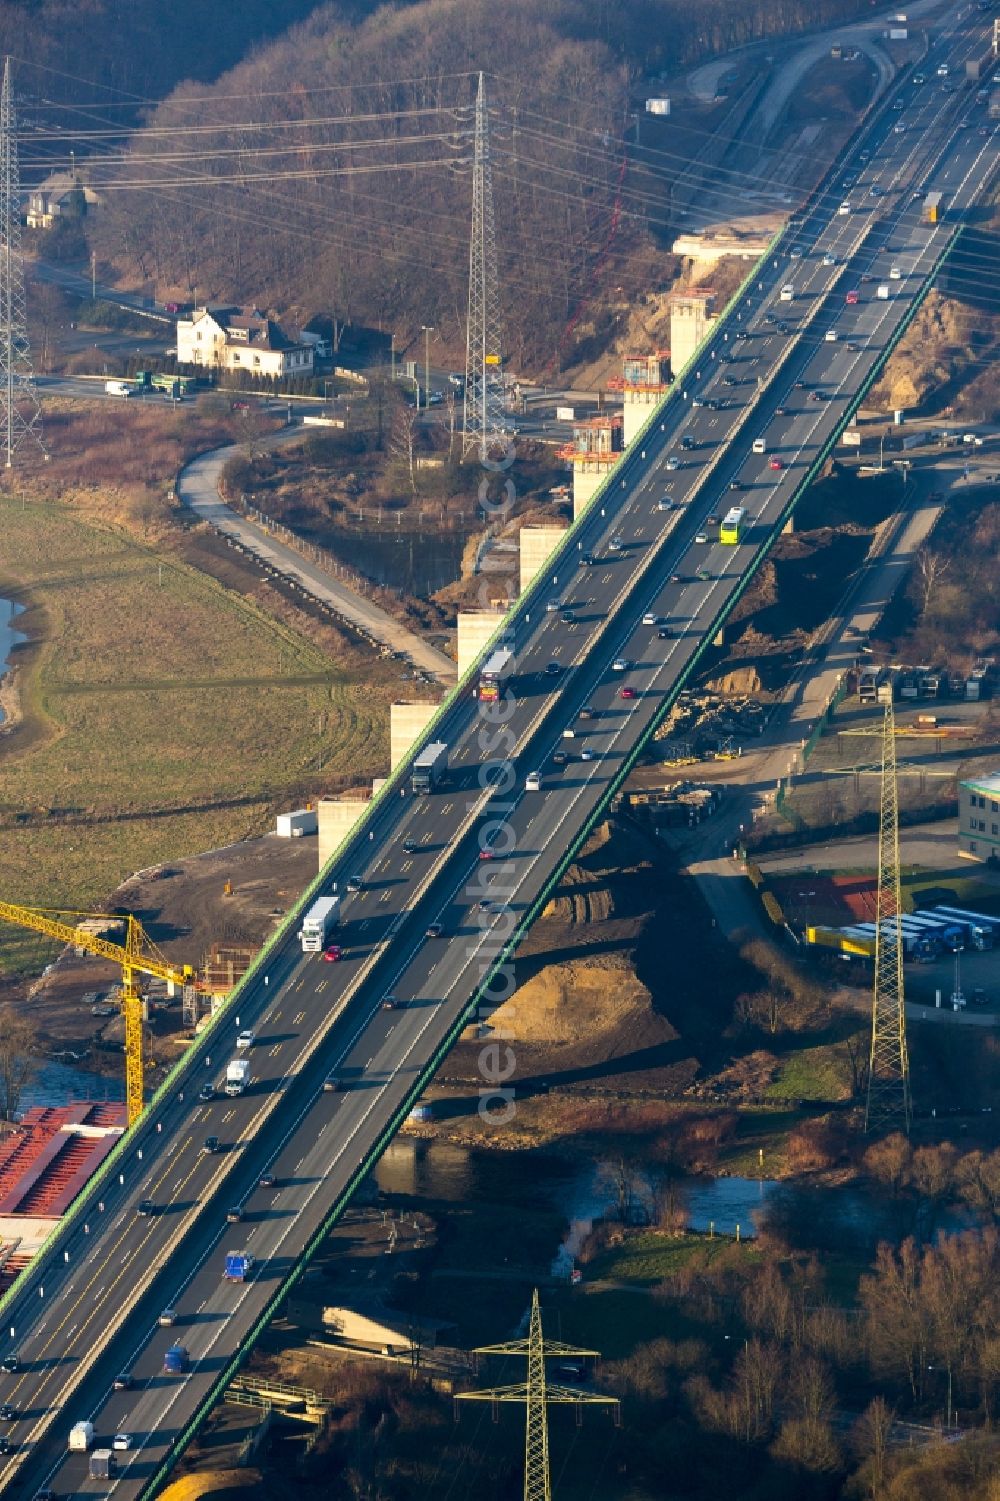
[537,1394]
[888,1102]
[20,410]
[483,425]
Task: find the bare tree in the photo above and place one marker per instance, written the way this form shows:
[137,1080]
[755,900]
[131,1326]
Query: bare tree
[402,446]
[871,1442]
[931,569]
[18,1048]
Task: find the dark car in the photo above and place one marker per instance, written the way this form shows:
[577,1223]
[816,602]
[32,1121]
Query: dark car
[664,633]
[553,669]
[267,1180]
[588,560]
[560,758]
[123,1382]
[354,883]
[409,846]
[146,1208]
[390,1003]
[10,1364]
[234,1215]
[4,1444]
[567,617]
[435,930]
[206,1092]
[735,484]
[211,1144]
[7,1412]
[331,1084]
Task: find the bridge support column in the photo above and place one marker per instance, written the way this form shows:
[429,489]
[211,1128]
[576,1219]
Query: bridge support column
[337,817]
[789,526]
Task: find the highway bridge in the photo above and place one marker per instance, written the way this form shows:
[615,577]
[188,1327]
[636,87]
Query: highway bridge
[425,921]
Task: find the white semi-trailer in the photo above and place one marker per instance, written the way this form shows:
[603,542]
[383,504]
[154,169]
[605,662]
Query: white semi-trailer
[318,923]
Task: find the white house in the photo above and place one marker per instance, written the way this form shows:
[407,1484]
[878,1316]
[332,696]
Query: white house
[60,196]
[224,338]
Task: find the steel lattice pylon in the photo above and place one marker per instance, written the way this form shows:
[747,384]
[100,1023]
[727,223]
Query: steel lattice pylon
[483,426]
[20,412]
[888,1102]
[536,1394]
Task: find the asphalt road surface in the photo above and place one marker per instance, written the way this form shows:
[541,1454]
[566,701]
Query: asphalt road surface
[625,629]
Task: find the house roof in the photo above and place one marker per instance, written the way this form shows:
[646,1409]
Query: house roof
[988,784]
[261,332]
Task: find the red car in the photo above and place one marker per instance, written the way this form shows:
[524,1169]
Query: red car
[774,464]
[487,852]
[853,298]
[333,953]
[626,693]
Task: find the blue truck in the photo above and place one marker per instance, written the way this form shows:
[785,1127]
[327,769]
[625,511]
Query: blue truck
[176,1361]
[239,1265]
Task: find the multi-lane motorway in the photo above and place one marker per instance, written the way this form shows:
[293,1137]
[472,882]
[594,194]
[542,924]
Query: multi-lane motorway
[635,593]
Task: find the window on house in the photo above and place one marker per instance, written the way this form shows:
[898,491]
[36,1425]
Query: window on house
[982,826]
[994,808]
[972,846]
[256,359]
[198,334]
[995,829]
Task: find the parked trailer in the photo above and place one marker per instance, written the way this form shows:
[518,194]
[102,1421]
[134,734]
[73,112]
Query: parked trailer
[948,935]
[430,768]
[980,928]
[842,941]
[318,923]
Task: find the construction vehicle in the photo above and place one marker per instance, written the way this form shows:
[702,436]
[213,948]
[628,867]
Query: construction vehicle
[135,958]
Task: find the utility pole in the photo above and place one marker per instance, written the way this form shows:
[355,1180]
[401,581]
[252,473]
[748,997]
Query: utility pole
[536,1395]
[20,409]
[484,429]
[428,329]
[888,1102]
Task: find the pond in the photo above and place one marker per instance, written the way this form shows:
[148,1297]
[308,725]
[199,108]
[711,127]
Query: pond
[8,635]
[64,1083]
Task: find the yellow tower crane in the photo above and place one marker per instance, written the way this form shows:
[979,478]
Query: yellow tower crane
[135,958]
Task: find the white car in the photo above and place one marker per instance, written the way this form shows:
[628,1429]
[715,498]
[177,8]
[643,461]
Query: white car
[845,208]
[620,664]
[829,260]
[895,274]
[533,782]
[831,336]
[650,619]
[245,1041]
[701,536]
[898,128]
[673,462]
[122,1441]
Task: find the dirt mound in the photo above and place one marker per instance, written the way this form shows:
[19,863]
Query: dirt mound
[579,998]
[212,1483]
[925,358]
[740,680]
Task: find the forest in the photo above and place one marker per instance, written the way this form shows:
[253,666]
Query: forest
[329,171]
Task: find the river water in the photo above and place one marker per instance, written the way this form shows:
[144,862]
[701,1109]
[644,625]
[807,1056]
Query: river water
[8,635]
[582,1191]
[64,1084]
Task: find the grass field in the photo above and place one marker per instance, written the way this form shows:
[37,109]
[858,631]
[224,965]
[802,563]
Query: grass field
[164,714]
[648,1258]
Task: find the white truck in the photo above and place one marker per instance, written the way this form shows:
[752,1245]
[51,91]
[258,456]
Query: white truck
[318,923]
[117,388]
[81,1436]
[237,1076]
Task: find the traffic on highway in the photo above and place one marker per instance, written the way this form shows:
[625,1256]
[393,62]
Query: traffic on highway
[135,1314]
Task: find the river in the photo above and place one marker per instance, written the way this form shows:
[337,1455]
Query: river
[8,635]
[581,1191]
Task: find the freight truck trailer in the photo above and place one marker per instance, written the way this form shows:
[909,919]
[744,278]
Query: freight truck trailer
[430,768]
[318,924]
